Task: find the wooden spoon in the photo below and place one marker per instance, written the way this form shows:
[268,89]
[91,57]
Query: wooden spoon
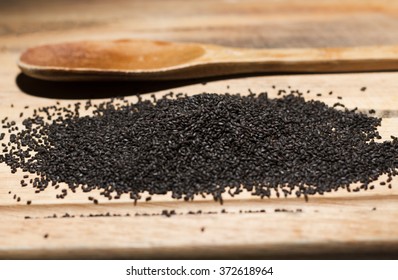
[156,60]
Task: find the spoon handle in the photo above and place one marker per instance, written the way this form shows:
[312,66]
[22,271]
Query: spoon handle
[355,59]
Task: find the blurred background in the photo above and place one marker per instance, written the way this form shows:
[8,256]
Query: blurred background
[252,24]
[258,24]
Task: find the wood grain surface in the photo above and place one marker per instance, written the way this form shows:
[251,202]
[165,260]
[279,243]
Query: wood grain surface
[337,225]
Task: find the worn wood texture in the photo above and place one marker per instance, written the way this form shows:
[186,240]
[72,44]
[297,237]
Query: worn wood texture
[338,225]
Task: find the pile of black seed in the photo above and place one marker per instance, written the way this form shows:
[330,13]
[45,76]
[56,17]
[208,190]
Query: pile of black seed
[206,144]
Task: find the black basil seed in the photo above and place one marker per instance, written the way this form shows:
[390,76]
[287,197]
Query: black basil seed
[206,144]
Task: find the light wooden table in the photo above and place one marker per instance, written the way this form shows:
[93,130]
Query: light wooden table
[338,225]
